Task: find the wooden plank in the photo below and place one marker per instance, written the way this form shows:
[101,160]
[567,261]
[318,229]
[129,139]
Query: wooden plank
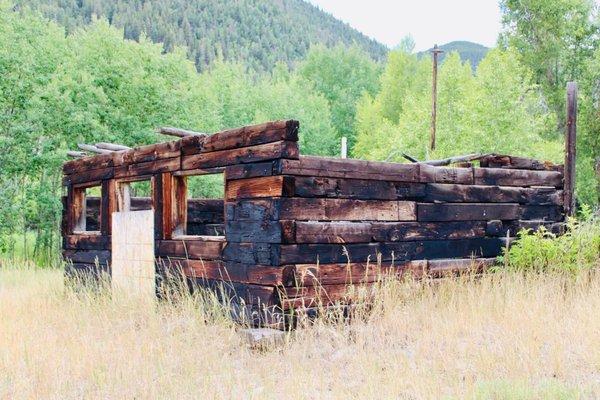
[512,228]
[251,154]
[360,232]
[467,212]
[431,174]
[243,137]
[87,242]
[253,170]
[252,253]
[398,251]
[514,162]
[87,256]
[196,249]
[346,168]
[241,294]
[147,168]
[226,271]
[439,192]
[88,163]
[152,152]
[90,175]
[454,266]
[549,213]
[350,273]
[268,186]
[255,210]
[346,210]
[517,177]
[253,231]
[356,188]
[107,206]
[570,149]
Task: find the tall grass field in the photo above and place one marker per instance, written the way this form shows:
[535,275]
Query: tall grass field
[517,333]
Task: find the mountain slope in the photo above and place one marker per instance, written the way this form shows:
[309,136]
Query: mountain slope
[468,51]
[257,32]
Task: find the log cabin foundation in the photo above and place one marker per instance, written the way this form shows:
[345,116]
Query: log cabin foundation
[294,231]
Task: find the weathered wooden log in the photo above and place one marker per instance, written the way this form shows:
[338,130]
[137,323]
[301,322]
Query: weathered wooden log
[180,133]
[512,228]
[226,271]
[453,160]
[350,273]
[93,149]
[346,210]
[90,162]
[87,242]
[454,266]
[517,177]
[356,188]
[242,137]
[87,256]
[306,209]
[236,294]
[284,254]
[364,232]
[439,192]
[484,212]
[251,154]
[431,174]
[355,169]
[268,186]
[253,170]
[205,248]
[147,168]
[112,146]
[76,154]
[514,162]
[570,149]
[85,176]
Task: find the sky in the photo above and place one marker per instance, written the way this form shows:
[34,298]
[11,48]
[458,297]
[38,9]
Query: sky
[429,22]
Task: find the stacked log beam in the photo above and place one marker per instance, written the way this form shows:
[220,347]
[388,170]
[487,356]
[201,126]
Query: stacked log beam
[298,230]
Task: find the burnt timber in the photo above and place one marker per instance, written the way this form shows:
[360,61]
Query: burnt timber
[293,227]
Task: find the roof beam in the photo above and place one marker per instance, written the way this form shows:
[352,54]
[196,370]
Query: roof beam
[92,149]
[181,133]
[112,146]
[76,154]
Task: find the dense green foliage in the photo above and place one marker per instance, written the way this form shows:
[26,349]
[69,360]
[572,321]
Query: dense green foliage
[468,51]
[484,112]
[257,32]
[342,75]
[542,251]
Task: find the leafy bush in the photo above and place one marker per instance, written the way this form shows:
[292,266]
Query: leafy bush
[577,249]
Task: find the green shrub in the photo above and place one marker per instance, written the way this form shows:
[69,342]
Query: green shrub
[577,249]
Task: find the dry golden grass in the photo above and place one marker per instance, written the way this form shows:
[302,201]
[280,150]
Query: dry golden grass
[501,336]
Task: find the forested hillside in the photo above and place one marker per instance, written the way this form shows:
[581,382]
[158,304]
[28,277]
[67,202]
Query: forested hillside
[257,32]
[468,51]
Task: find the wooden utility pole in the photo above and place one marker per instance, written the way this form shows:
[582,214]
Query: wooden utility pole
[570,149]
[435,53]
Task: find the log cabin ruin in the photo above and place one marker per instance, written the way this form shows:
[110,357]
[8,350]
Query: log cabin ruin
[291,231]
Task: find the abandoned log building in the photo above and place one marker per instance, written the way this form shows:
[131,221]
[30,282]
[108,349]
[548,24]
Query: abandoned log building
[290,228]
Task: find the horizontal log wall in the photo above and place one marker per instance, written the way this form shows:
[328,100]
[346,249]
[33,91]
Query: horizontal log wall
[299,223]
[297,229]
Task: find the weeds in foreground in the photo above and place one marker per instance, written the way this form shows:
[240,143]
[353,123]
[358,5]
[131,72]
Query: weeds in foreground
[543,251]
